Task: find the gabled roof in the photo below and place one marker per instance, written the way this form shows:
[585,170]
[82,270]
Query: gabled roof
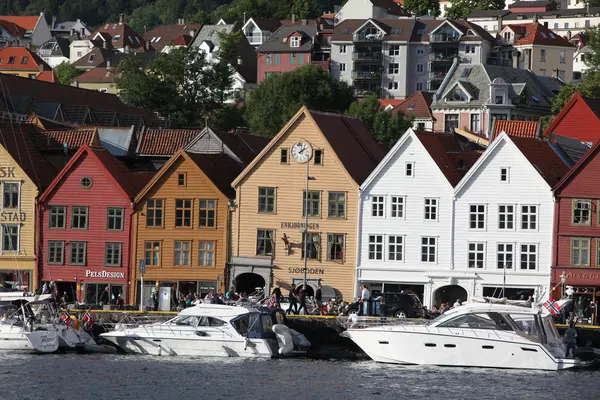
[538,34]
[27,23]
[244,145]
[358,152]
[164,142]
[391,7]
[591,103]
[55,47]
[417,104]
[546,4]
[394,29]
[96,75]
[166,34]
[115,171]
[13,29]
[265,24]
[120,35]
[22,60]
[527,129]
[56,140]
[16,140]
[583,161]
[279,42]
[46,76]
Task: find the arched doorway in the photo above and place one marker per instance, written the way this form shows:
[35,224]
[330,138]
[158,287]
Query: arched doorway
[449,294]
[248,282]
[310,291]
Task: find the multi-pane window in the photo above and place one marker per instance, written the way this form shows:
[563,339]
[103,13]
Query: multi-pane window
[284,156]
[10,194]
[503,174]
[506,216]
[79,217]
[312,204]
[182,253]
[397,207]
[529,217]
[428,249]
[477,216]
[335,246]
[206,254]
[207,213]
[264,242]
[10,237]
[580,252]
[337,204]
[581,212]
[57,216]
[181,181]
[505,255]
[393,68]
[394,50]
[154,212]
[476,254]
[431,209]
[266,199]
[375,247]
[318,157]
[529,256]
[56,252]
[77,252]
[395,248]
[152,253]
[183,213]
[312,245]
[410,169]
[112,254]
[377,206]
[114,218]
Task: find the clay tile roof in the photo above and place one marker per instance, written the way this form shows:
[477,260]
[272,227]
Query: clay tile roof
[526,129]
[536,33]
[418,104]
[96,75]
[15,138]
[55,140]
[390,102]
[22,60]
[12,28]
[447,153]
[357,150]
[165,142]
[25,22]
[220,169]
[181,40]
[46,76]
[166,34]
[543,158]
[120,35]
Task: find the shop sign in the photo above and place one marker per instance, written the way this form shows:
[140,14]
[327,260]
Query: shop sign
[104,274]
[298,225]
[315,271]
[7,172]
[13,216]
[583,276]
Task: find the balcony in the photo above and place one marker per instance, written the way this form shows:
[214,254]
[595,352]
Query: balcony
[503,62]
[366,75]
[443,38]
[364,92]
[370,37]
[437,76]
[442,58]
[366,56]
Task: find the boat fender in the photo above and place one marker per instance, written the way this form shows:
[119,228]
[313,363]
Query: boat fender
[299,339]
[159,350]
[285,340]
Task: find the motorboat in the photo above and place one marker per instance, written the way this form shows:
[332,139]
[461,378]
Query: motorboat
[489,334]
[202,330]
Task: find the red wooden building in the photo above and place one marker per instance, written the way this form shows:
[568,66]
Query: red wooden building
[576,248]
[85,220]
[578,119]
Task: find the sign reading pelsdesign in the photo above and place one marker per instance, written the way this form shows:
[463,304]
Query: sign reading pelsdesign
[104,274]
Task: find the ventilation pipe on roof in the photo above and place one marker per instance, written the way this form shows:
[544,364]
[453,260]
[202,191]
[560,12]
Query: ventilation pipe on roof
[293,17]
[499,23]
[192,33]
[244,19]
[538,130]
[108,64]
[104,44]
[121,18]
[83,33]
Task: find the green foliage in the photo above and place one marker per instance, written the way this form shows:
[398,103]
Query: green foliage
[423,7]
[385,127]
[271,105]
[462,8]
[65,72]
[183,86]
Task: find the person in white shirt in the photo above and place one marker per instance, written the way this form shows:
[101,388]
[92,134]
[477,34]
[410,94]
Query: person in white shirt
[364,300]
[458,303]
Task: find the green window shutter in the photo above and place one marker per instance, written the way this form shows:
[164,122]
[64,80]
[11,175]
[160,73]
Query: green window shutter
[301,58]
[277,59]
[292,59]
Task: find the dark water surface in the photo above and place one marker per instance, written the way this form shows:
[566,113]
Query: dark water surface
[116,377]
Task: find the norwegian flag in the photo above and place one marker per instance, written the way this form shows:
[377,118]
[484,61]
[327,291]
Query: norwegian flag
[66,317]
[271,303]
[552,306]
[88,320]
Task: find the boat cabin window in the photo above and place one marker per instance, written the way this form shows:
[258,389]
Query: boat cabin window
[501,323]
[471,321]
[526,325]
[267,322]
[550,329]
[247,323]
[210,321]
[186,320]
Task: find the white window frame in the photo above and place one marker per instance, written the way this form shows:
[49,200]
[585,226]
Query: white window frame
[536,254]
[433,203]
[435,249]
[18,195]
[485,207]
[375,243]
[396,245]
[342,67]
[507,174]
[505,253]
[380,206]
[18,248]
[295,41]
[401,204]
[537,218]
[412,169]
[514,217]
[477,252]
[342,49]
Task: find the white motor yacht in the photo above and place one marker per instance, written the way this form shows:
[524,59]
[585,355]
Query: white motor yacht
[202,330]
[476,334]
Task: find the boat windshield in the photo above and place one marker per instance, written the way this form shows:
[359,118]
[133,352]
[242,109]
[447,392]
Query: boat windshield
[550,329]
[248,323]
[526,326]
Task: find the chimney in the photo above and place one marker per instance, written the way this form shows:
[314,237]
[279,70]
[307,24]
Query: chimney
[293,17]
[53,22]
[127,48]
[108,64]
[82,33]
[569,35]
[244,19]
[192,32]
[499,24]
[304,22]
[121,18]
[538,130]
[239,60]
[147,45]
[515,59]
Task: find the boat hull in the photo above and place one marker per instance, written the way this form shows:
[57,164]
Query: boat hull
[457,350]
[43,341]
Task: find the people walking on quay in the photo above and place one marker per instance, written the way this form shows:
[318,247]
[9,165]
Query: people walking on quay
[364,300]
[277,293]
[45,288]
[319,299]
[293,300]
[571,339]
[231,294]
[302,295]
[105,296]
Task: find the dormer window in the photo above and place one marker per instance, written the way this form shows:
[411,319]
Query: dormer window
[457,95]
[116,38]
[499,100]
[295,41]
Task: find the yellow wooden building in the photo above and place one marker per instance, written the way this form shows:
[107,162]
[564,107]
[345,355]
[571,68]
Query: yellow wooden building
[338,154]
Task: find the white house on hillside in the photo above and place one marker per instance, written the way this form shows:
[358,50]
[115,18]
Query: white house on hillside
[504,215]
[405,216]
[376,9]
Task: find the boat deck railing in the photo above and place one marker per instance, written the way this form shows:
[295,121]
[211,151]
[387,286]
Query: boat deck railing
[131,321]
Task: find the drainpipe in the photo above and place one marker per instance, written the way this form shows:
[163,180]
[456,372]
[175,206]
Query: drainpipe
[358,242]
[131,257]
[34,280]
[452,228]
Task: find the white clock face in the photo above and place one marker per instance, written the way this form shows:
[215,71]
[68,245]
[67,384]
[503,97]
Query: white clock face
[301,152]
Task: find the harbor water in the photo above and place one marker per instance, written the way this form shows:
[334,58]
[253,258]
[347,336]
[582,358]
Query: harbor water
[70,376]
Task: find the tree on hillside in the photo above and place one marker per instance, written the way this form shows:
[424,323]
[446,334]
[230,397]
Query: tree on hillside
[462,8]
[385,127]
[278,98]
[183,86]
[65,72]
[423,7]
